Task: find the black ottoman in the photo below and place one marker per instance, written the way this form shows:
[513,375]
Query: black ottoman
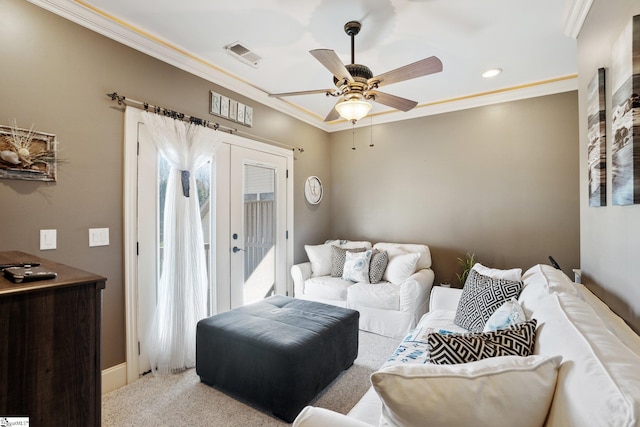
[278,353]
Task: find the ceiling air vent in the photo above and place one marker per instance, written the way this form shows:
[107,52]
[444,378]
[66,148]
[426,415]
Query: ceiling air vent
[243,53]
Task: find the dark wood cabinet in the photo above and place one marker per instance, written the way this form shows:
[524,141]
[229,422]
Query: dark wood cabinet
[50,346]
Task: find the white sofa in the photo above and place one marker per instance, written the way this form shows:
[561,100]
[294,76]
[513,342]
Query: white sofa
[597,383]
[391,307]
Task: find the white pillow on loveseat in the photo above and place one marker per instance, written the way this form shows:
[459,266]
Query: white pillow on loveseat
[400,267]
[320,258]
[499,391]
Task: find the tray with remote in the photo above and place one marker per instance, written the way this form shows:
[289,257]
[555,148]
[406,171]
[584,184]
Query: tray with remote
[28,273]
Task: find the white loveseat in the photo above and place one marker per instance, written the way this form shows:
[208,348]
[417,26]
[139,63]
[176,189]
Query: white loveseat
[391,307]
[597,382]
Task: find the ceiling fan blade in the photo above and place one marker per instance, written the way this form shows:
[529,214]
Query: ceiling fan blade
[420,68]
[393,101]
[332,62]
[333,115]
[304,92]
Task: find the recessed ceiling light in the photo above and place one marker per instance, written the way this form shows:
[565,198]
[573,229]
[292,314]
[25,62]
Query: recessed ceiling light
[491,73]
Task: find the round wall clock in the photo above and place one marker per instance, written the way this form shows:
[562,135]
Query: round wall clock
[313,190]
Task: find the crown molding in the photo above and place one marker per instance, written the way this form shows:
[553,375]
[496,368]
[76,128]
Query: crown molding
[532,90]
[95,20]
[111,27]
[577,13]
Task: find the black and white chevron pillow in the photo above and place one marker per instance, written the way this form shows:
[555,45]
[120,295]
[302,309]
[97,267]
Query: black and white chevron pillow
[516,340]
[481,297]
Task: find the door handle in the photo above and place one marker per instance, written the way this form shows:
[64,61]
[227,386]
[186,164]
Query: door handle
[237,249]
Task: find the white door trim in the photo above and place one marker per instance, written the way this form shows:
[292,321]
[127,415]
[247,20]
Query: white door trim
[130,215]
[131,232]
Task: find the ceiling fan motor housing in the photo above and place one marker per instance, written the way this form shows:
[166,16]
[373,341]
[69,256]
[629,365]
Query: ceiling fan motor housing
[360,73]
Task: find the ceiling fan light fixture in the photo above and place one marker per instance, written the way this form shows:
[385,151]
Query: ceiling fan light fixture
[353,109]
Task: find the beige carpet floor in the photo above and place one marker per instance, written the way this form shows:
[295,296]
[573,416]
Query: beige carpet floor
[182,400]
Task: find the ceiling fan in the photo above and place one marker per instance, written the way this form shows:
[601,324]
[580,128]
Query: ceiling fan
[356,84]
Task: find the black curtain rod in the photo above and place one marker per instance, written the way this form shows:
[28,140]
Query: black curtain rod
[191,119]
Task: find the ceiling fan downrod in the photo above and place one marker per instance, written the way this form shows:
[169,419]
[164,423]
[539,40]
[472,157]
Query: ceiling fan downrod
[352,28]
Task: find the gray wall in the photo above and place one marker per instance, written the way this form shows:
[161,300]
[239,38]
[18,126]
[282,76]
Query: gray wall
[55,74]
[500,181]
[610,236]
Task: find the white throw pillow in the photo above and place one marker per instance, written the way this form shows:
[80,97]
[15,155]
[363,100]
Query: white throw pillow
[500,391]
[508,314]
[514,274]
[320,258]
[356,266]
[400,267]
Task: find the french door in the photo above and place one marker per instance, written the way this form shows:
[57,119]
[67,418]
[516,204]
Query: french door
[246,212]
[258,219]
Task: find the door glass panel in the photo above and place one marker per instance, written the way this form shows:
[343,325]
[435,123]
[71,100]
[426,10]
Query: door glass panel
[259,233]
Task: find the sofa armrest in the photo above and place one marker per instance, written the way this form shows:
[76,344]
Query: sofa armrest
[414,292]
[444,298]
[300,273]
[320,417]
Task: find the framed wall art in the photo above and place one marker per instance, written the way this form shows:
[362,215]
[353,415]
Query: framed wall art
[215,103]
[625,124]
[597,149]
[248,115]
[27,154]
[240,113]
[233,110]
[224,106]
[230,109]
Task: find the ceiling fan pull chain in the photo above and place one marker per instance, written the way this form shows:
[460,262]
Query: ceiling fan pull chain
[371,131]
[353,135]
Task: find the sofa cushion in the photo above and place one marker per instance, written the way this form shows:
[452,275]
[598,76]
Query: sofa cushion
[598,380]
[338,257]
[501,391]
[320,258]
[396,248]
[400,267]
[550,279]
[327,287]
[448,349]
[378,264]
[382,295]
[613,322]
[356,266]
[311,416]
[481,296]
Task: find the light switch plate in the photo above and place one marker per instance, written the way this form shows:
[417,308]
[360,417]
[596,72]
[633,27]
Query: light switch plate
[98,237]
[48,239]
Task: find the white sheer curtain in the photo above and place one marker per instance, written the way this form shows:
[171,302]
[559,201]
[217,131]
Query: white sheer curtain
[182,290]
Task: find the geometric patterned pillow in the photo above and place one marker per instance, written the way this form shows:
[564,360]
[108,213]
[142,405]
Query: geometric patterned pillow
[516,340]
[480,297]
[377,265]
[338,257]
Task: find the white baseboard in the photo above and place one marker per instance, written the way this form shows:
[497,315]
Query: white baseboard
[113,378]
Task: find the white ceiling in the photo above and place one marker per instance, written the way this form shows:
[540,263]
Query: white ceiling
[526,38]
